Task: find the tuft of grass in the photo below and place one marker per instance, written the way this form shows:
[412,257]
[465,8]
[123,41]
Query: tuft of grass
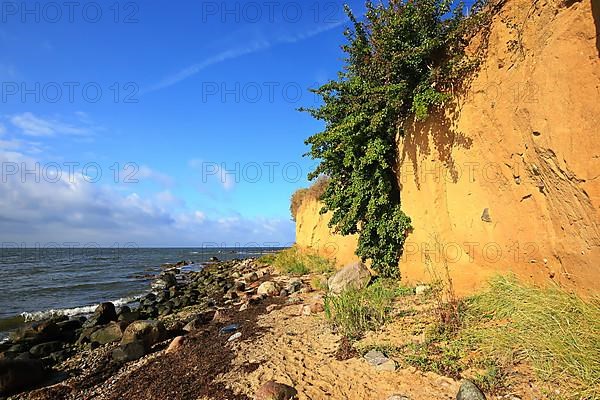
[354,312]
[267,258]
[448,308]
[292,261]
[492,379]
[439,354]
[386,348]
[319,283]
[403,291]
[556,331]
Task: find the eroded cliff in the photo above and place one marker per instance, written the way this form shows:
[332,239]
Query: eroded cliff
[507,178]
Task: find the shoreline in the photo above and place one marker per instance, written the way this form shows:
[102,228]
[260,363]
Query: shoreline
[42,279]
[257,329]
[176,297]
[133,270]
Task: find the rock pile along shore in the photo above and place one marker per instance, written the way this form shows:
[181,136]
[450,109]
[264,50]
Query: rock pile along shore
[45,352]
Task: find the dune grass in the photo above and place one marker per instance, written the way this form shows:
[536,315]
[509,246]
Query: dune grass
[267,258]
[354,312]
[557,332]
[297,262]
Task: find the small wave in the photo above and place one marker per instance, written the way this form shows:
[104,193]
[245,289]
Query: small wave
[194,252]
[70,312]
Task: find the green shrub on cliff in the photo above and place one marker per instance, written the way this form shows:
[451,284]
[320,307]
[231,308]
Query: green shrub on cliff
[401,62]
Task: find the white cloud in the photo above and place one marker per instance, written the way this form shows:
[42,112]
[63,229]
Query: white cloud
[10,144]
[199,216]
[167,199]
[146,172]
[216,59]
[75,210]
[32,125]
[230,54]
[210,171]
[227,179]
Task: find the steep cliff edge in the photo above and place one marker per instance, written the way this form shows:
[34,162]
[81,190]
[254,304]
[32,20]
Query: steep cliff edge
[507,179]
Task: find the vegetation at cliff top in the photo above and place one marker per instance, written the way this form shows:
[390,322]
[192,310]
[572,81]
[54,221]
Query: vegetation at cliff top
[315,191]
[402,60]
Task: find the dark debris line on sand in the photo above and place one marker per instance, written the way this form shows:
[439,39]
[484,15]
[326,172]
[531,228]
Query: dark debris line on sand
[190,372]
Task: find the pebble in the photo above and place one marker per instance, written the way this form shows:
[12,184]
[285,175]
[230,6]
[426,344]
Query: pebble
[176,344]
[317,307]
[389,365]
[235,336]
[272,390]
[230,328]
[422,289]
[268,288]
[219,317]
[271,307]
[380,361]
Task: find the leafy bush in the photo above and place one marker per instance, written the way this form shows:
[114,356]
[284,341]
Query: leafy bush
[402,60]
[298,262]
[356,311]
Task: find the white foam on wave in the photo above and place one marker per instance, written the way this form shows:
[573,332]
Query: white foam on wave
[70,312]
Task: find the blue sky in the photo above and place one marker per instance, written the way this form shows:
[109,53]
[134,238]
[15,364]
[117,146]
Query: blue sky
[159,123]
[173,96]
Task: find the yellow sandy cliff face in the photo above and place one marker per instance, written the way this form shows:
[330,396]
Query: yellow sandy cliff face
[508,179]
[312,232]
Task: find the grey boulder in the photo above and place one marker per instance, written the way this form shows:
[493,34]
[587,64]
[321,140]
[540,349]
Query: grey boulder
[147,332]
[469,391]
[129,352]
[352,276]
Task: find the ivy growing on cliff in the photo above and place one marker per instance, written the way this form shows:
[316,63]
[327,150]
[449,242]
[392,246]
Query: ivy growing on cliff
[401,61]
